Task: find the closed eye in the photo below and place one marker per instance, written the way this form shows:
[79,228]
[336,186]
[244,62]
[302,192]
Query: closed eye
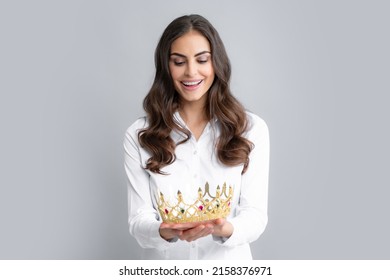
[178,63]
[203,59]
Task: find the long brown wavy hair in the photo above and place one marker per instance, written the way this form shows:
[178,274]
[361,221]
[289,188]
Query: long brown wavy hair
[162,101]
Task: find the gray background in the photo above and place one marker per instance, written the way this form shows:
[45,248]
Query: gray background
[73,76]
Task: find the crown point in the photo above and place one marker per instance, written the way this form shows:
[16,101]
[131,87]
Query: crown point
[200,193]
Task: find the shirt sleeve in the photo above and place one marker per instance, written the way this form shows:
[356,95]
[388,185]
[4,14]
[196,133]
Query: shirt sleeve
[252,217]
[143,217]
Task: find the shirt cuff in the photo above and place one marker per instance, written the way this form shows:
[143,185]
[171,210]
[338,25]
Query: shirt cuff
[219,239]
[156,239]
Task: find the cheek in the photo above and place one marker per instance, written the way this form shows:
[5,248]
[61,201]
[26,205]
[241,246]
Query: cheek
[209,72]
[175,73]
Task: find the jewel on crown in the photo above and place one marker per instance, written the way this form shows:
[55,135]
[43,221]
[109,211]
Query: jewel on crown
[205,207]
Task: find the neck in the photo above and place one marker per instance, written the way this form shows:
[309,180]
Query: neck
[193,114]
[195,118]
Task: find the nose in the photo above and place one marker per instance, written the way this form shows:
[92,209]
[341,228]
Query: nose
[191,69]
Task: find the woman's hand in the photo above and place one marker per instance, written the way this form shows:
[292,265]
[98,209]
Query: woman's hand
[195,230]
[222,228]
[184,231]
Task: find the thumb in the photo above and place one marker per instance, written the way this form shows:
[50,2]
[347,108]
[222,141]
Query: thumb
[219,221]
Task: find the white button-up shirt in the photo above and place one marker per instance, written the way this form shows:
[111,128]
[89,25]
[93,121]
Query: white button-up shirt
[197,163]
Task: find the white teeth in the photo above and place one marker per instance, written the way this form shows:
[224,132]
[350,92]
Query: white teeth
[191,83]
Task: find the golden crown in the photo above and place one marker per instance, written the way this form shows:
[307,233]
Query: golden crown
[206,207]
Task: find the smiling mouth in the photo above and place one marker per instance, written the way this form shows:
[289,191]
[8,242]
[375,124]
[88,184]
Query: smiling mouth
[192,83]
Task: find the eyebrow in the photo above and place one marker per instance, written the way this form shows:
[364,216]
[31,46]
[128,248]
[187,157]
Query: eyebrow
[198,54]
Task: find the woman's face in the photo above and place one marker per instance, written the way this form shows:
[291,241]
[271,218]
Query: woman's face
[191,67]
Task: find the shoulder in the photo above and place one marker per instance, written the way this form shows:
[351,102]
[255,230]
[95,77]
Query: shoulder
[136,126]
[255,123]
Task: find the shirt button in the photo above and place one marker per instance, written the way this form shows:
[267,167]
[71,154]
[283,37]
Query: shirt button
[195,175]
[193,245]
[195,152]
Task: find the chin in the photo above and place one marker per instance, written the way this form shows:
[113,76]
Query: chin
[193,97]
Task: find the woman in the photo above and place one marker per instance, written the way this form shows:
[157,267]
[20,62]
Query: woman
[195,134]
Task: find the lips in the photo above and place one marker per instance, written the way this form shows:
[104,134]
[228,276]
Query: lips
[191,84]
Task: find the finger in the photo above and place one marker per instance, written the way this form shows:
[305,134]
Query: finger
[194,235]
[219,221]
[170,226]
[210,223]
[164,226]
[179,226]
[206,231]
[191,233]
[186,226]
[169,233]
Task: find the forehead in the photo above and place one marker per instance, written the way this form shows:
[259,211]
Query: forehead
[191,43]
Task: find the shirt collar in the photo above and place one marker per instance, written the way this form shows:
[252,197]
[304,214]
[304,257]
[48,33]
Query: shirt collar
[180,120]
[212,124]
